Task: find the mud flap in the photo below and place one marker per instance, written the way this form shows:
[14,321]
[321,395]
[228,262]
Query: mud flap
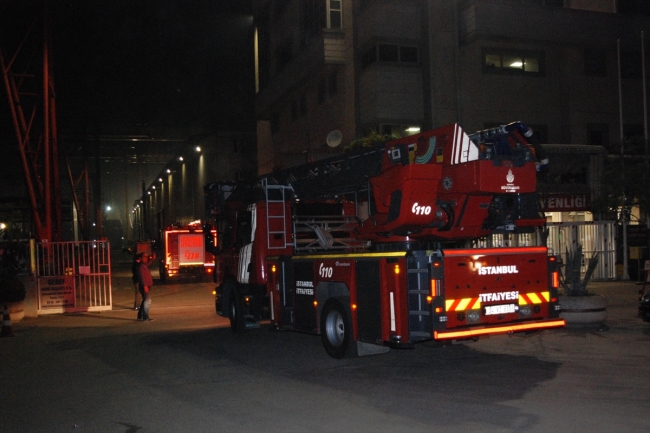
[364,349]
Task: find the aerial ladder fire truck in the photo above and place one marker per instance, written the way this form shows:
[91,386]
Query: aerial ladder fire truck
[377,249]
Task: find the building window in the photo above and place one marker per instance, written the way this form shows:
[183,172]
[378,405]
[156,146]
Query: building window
[633,130]
[408,54]
[595,62]
[633,7]
[390,53]
[334,14]
[328,86]
[598,134]
[498,61]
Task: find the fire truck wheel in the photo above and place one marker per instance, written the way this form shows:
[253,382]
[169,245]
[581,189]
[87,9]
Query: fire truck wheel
[235,309]
[335,329]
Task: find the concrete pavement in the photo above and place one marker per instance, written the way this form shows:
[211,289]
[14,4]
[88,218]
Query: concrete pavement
[186,371]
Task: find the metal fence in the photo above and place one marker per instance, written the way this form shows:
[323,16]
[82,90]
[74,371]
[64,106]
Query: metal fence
[73,276]
[597,237]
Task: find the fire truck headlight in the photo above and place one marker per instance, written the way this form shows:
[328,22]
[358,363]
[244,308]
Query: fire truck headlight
[524,311]
[473,316]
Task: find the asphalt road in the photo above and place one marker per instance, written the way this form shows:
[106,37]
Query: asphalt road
[187,372]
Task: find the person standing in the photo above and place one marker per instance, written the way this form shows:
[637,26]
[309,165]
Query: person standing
[145,281]
[135,271]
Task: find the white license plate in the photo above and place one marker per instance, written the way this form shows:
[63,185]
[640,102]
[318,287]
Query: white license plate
[492,310]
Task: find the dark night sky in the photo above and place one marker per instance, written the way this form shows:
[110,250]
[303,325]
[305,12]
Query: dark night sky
[122,63]
[157,62]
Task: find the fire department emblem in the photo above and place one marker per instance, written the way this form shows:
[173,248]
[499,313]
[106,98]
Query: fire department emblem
[510,177]
[447,182]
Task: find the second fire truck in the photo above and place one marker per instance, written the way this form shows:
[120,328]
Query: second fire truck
[375,249]
[187,251]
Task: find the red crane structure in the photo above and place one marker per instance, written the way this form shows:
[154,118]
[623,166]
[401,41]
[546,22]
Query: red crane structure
[26,67]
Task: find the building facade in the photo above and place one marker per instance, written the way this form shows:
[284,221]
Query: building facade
[399,66]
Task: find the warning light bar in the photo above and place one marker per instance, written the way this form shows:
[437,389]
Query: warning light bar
[477,332]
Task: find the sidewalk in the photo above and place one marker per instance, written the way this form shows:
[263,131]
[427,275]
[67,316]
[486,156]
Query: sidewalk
[622,299]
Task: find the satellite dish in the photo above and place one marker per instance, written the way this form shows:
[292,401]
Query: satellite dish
[334,138]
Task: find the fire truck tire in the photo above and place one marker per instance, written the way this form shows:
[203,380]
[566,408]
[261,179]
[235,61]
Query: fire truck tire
[336,330]
[235,309]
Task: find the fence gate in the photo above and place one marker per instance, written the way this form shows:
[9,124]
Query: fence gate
[73,276]
[596,237]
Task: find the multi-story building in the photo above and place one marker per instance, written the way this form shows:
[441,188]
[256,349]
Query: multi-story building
[398,66]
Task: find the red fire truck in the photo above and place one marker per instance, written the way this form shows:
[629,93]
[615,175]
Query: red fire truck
[187,251]
[376,249]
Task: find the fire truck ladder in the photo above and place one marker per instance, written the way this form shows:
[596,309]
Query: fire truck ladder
[420,317]
[329,232]
[276,216]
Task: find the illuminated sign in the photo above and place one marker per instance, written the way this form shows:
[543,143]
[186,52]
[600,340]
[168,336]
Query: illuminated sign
[498,270]
[499,296]
[565,202]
